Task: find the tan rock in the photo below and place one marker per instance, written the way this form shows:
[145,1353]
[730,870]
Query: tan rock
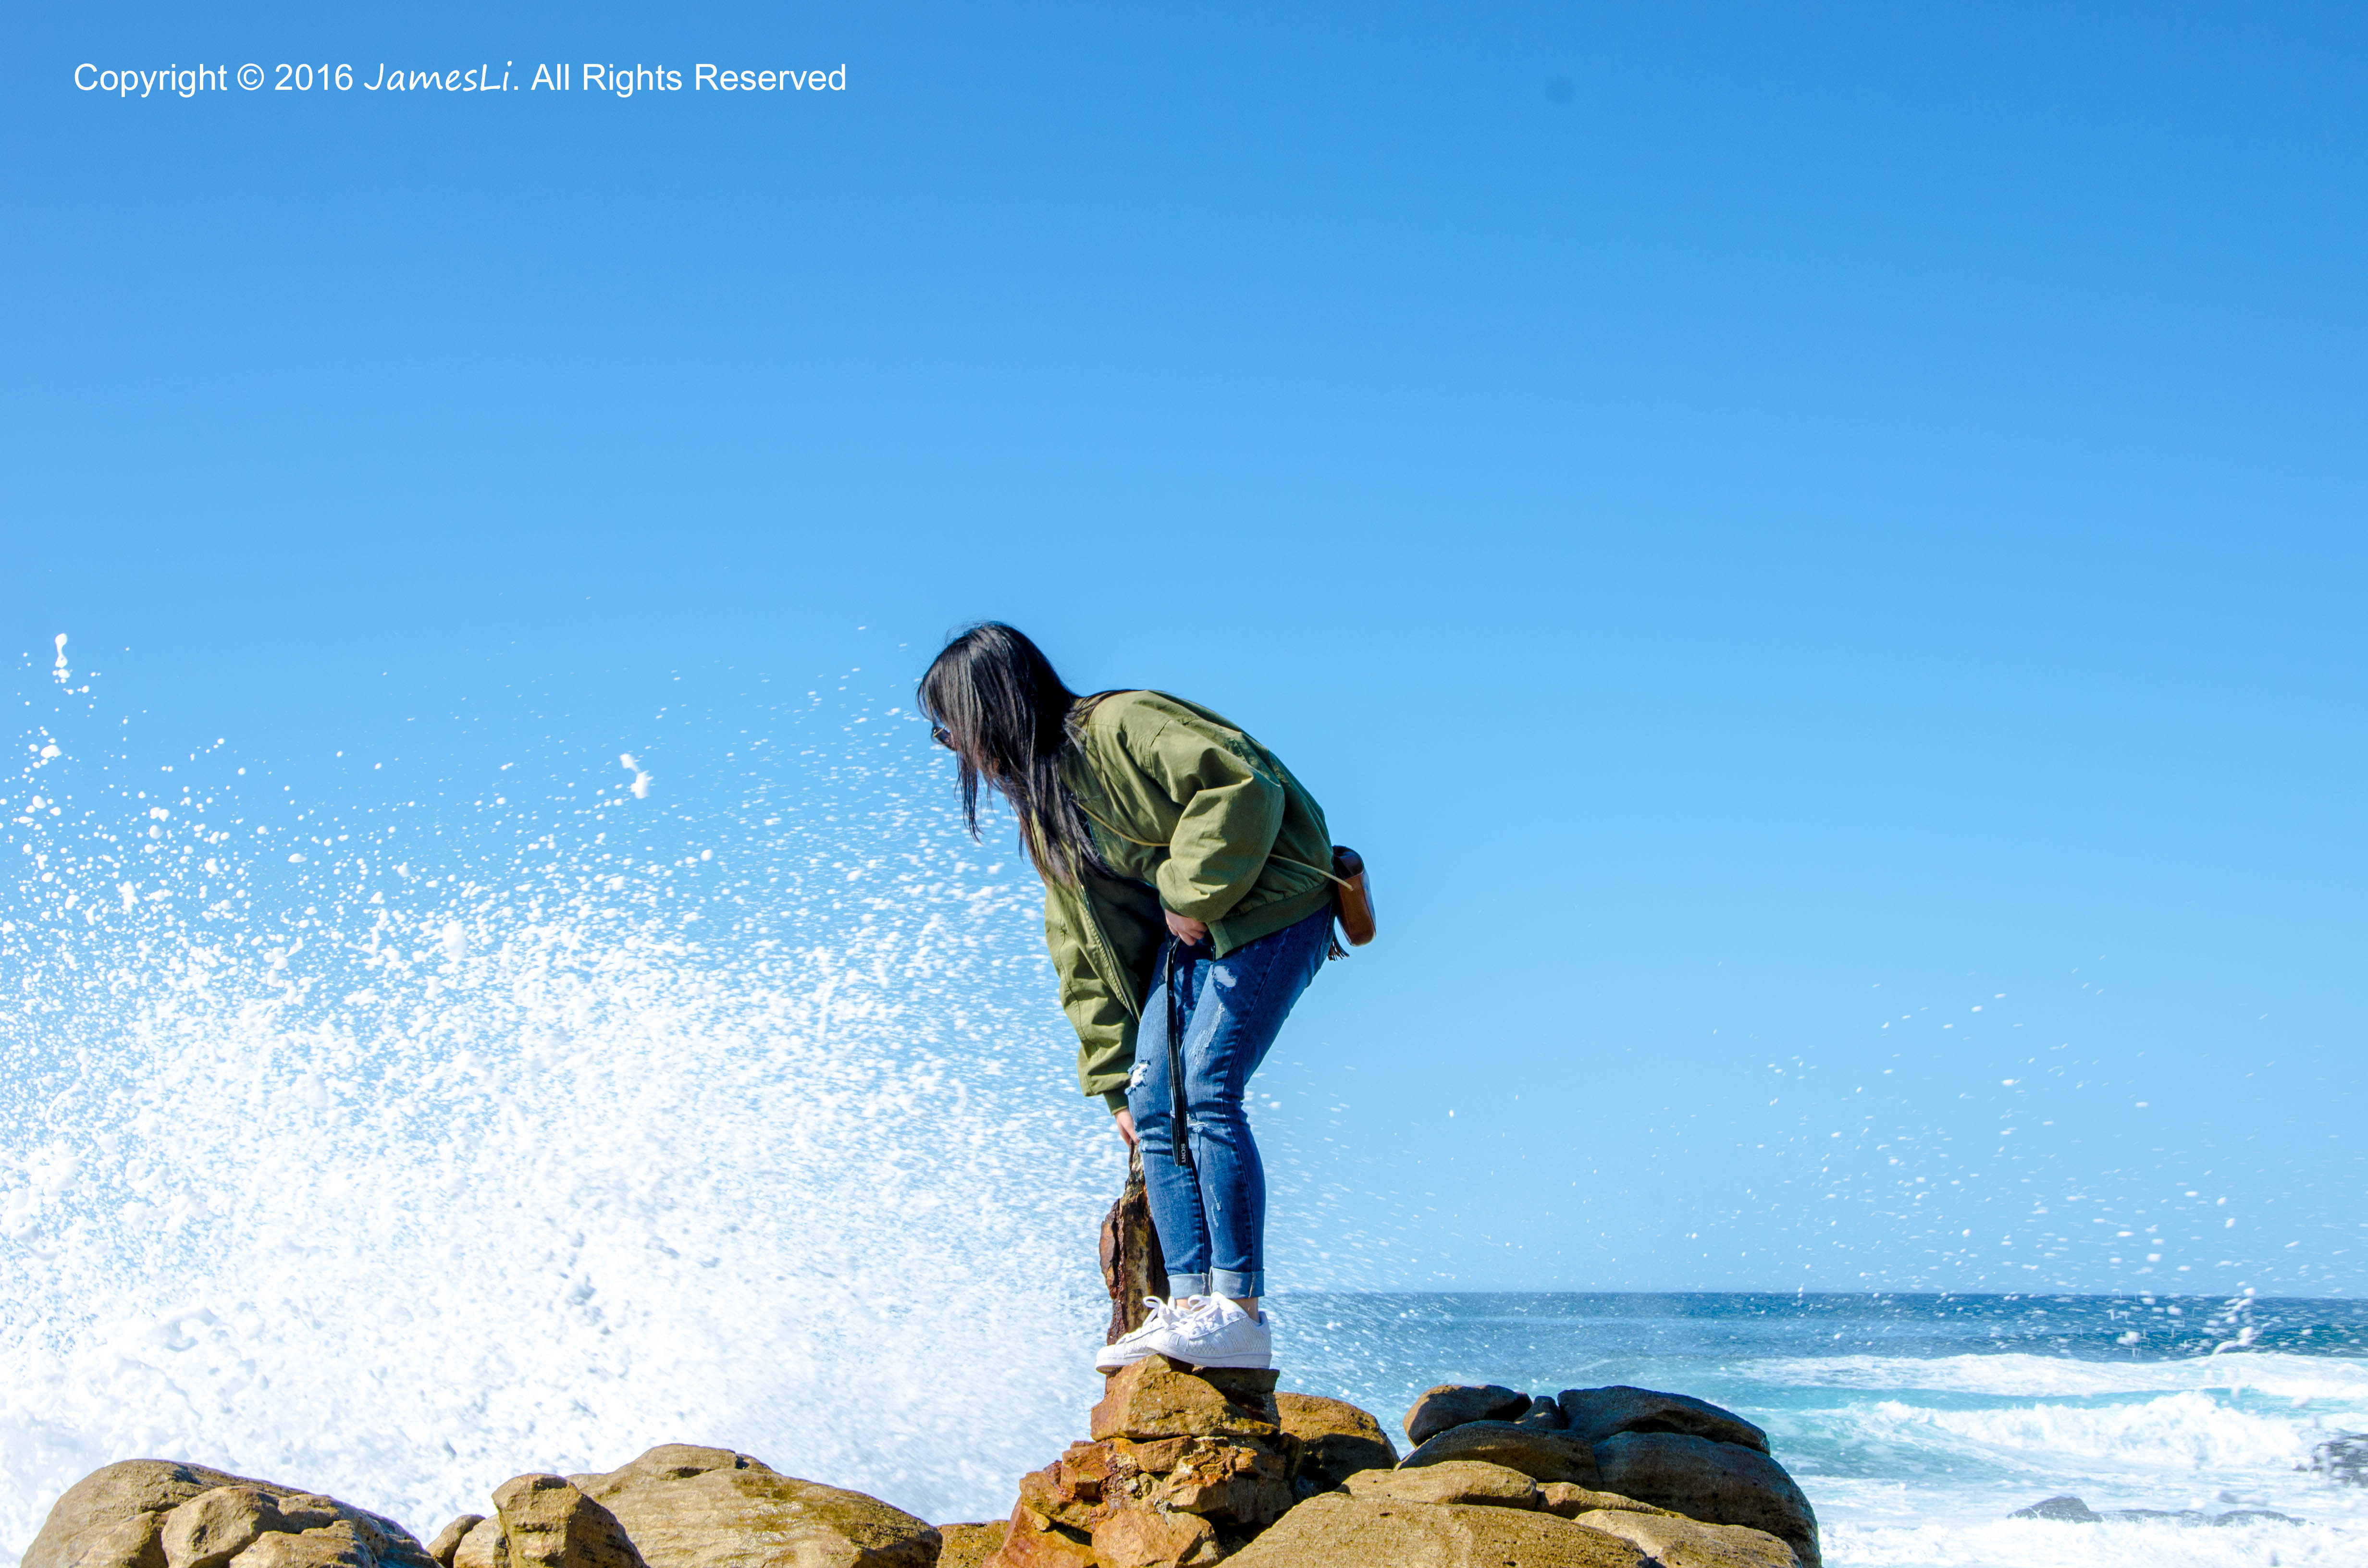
[547,1522]
[483,1546]
[113,1495]
[1593,1414]
[135,1542]
[970,1545]
[448,1540]
[1456,1481]
[1336,1438]
[1143,1538]
[1676,1542]
[1337,1531]
[683,1506]
[1031,1541]
[217,1525]
[1452,1405]
[338,1545]
[1542,1456]
[1159,1397]
[1560,1497]
[1719,1483]
[115,1518]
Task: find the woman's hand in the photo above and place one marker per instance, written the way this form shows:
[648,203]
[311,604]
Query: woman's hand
[1125,1120]
[1191,932]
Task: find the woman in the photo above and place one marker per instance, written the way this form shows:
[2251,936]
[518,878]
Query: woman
[1177,855]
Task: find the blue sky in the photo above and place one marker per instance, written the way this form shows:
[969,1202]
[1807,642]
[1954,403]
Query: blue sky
[1764,524]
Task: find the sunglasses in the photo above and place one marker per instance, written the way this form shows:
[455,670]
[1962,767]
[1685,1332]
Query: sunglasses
[940,735]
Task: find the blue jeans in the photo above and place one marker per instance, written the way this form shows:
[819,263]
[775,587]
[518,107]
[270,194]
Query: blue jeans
[1211,1219]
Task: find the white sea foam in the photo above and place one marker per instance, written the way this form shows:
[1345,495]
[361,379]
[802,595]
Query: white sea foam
[2175,1435]
[2033,1544]
[2019,1376]
[395,1191]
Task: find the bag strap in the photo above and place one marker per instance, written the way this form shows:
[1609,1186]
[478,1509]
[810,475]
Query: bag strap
[1149,844]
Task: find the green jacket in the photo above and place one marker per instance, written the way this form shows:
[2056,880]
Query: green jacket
[1192,815]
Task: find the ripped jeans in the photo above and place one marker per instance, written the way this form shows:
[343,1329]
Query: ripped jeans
[1212,1220]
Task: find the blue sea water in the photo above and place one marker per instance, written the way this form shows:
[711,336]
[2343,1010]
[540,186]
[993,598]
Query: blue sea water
[1917,1424]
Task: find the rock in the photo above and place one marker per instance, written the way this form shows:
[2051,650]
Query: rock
[483,1546]
[683,1507]
[1541,1456]
[1542,1415]
[448,1540]
[1032,1541]
[969,1546]
[1160,1398]
[339,1545]
[1719,1483]
[1143,1538]
[2066,1507]
[548,1522]
[1593,1414]
[1132,1267]
[1454,1481]
[1674,1542]
[217,1525]
[1561,1498]
[1337,1532]
[2343,1458]
[1452,1405]
[117,1517]
[1336,1438]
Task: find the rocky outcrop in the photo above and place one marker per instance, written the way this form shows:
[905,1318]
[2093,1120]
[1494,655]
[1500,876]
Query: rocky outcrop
[1541,1456]
[1454,1404]
[1334,1531]
[1454,1481]
[1592,1415]
[1718,1484]
[1677,1542]
[1335,1439]
[968,1545]
[161,1514]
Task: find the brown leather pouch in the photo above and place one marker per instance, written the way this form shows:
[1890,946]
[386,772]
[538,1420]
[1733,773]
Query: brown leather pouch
[1352,896]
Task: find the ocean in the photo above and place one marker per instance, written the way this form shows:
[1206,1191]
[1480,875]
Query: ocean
[1917,1425]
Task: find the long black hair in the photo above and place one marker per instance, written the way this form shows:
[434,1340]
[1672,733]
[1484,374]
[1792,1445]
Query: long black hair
[996,700]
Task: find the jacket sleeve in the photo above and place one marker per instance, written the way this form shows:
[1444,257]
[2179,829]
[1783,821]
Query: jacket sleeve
[1105,1026]
[1229,813]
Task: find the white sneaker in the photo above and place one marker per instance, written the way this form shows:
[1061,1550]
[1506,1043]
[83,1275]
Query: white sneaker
[1136,1344]
[1214,1332]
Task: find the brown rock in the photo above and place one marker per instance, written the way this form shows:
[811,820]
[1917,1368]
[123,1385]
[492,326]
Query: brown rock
[448,1540]
[483,1546]
[1542,1456]
[548,1523]
[115,1518]
[1452,1405]
[134,1495]
[1142,1538]
[1593,1414]
[969,1546]
[1337,1532]
[217,1525]
[339,1545]
[1456,1481]
[1336,1438]
[683,1506]
[1544,1415]
[1029,1541]
[1719,1483]
[135,1542]
[1561,1498]
[1676,1542]
[1160,1398]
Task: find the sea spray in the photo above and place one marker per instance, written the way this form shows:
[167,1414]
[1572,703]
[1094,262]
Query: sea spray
[393,1150]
